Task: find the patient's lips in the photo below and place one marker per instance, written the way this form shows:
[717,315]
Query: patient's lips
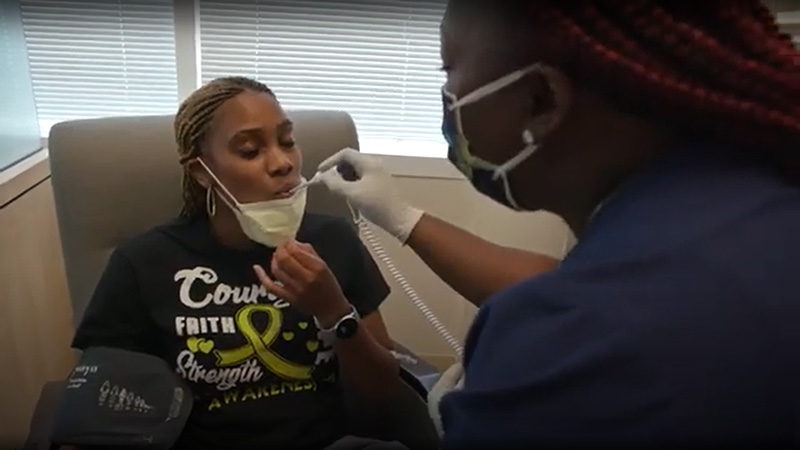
[287,190]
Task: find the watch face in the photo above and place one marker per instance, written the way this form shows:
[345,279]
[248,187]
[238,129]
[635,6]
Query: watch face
[347,328]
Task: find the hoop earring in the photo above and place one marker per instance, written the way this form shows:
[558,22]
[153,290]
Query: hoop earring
[211,204]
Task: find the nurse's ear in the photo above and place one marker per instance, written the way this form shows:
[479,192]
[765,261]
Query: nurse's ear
[550,96]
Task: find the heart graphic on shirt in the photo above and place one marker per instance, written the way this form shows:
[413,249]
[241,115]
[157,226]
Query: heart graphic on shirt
[288,336]
[205,346]
[302,325]
[195,343]
[312,346]
[191,344]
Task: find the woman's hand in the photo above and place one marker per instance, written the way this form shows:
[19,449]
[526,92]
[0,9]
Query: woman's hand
[303,279]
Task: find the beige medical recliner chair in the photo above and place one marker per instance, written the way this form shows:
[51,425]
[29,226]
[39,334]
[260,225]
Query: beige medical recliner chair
[116,177]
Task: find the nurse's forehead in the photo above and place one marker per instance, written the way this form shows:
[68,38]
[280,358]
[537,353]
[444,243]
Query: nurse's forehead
[481,43]
[462,28]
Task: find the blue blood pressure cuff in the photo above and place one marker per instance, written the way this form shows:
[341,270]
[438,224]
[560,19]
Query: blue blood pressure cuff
[121,399]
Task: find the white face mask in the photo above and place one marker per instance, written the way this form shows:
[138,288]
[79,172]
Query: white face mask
[270,222]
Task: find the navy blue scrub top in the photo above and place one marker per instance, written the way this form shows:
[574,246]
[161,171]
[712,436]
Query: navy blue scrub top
[675,320]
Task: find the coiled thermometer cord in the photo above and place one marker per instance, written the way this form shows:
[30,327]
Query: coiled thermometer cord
[380,252]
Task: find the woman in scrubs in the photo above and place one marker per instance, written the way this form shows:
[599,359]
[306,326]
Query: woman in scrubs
[666,135]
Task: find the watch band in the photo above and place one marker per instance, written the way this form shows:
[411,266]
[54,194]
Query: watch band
[344,328]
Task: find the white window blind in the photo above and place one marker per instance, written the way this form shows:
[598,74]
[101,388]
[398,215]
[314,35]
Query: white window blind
[376,59]
[788,15]
[789,21]
[96,58]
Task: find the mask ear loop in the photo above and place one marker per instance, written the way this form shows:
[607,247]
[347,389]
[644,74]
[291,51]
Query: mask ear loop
[222,187]
[502,171]
[493,86]
[530,147]
[509,196]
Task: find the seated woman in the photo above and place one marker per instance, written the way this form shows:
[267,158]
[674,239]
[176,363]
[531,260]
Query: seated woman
[248,297]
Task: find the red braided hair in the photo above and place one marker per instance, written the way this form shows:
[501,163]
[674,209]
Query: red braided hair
[718,67]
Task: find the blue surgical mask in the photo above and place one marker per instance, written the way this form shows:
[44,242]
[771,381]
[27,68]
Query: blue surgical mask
[488,178]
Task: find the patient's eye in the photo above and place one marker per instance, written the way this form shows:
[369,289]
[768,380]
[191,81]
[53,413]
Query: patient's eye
[247,143]
[248,151]
[286,135]
[287,143]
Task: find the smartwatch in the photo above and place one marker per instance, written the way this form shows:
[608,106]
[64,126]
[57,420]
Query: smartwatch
[345,328]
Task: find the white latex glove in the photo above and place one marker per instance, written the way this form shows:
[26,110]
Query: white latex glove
[373,193]
[451,380]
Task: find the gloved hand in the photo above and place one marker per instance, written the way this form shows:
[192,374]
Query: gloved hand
[451,380]
[372,192]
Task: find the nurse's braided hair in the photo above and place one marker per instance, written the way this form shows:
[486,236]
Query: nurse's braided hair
[713,67]
[191,126]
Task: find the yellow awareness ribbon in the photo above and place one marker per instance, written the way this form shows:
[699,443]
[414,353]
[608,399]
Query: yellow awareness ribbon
[260,344]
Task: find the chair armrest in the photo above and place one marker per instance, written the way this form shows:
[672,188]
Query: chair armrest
[416,372]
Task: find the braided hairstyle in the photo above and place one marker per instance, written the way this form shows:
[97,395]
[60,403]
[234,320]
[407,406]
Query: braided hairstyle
[718,68]
[191,126]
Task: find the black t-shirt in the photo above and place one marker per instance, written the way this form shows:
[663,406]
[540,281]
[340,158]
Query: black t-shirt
[261,375]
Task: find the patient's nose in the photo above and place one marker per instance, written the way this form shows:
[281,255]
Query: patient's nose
[278,162]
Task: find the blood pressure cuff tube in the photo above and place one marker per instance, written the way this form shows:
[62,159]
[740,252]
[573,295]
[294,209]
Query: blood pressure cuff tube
[120,399]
